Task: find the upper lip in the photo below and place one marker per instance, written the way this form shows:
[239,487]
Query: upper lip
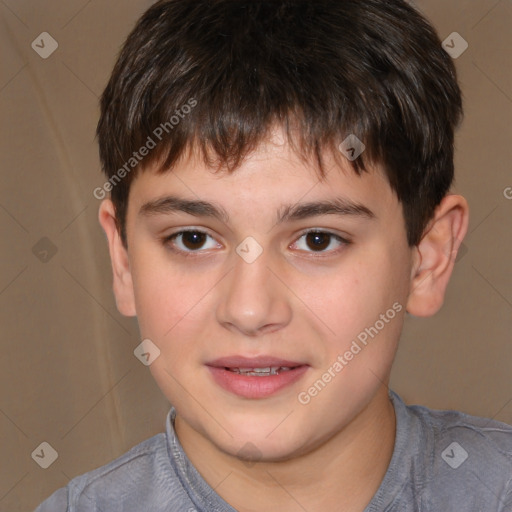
[252,362]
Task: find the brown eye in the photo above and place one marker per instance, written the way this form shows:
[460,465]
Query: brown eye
[189,241]
[193,239]
[318,241]
[321,242]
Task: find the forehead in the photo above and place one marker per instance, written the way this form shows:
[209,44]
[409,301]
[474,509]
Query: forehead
[271,176]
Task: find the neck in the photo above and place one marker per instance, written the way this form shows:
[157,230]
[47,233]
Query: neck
[343,473]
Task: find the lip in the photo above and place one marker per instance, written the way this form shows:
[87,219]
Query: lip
[252,362]
[253,387]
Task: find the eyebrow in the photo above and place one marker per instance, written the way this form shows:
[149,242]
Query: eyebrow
[339,206]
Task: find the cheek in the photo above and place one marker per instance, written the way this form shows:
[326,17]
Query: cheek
[362,303]
[346,298]
[165,295]
[170,312]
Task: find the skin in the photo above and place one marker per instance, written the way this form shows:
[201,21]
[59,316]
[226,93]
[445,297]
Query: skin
[333,452]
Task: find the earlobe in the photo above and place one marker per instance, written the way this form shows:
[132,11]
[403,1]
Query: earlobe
[122,278]
[435,256]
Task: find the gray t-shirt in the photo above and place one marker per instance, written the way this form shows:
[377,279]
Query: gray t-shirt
[443,461]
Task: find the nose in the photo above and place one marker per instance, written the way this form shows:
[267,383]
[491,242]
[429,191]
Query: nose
[253,298]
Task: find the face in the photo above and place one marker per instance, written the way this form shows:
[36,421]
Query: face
[276,322]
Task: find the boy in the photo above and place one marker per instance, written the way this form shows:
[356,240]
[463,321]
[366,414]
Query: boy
[279,176]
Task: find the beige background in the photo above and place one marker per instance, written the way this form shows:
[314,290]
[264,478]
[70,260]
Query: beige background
[68,375]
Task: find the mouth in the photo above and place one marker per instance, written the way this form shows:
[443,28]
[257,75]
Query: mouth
[257,377]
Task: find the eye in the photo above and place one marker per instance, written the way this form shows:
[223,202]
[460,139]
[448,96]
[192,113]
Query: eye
[319,241]
[188,241]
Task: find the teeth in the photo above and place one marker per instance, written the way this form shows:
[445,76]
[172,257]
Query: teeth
[263,370]
[259,372]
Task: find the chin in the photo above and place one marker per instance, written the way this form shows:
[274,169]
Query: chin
[262,441]
[263,450]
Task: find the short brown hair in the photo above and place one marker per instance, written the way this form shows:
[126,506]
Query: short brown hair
[327,68]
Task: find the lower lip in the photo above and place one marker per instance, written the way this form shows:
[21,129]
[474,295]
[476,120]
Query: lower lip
[255,387]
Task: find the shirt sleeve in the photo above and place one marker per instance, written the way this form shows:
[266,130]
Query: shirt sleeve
[508,498]
[57,502]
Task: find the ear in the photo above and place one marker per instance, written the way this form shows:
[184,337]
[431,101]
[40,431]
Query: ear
[435,255]
[123,285]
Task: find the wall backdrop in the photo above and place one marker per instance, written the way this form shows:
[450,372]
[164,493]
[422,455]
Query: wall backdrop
[68,374]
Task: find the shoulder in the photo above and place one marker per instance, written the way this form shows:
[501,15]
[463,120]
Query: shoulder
[466,456]
[483,437]
[133,475]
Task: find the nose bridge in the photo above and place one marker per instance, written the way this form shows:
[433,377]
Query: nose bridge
[253,300]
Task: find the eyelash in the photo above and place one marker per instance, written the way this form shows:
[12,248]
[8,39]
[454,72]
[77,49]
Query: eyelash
[167,241]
